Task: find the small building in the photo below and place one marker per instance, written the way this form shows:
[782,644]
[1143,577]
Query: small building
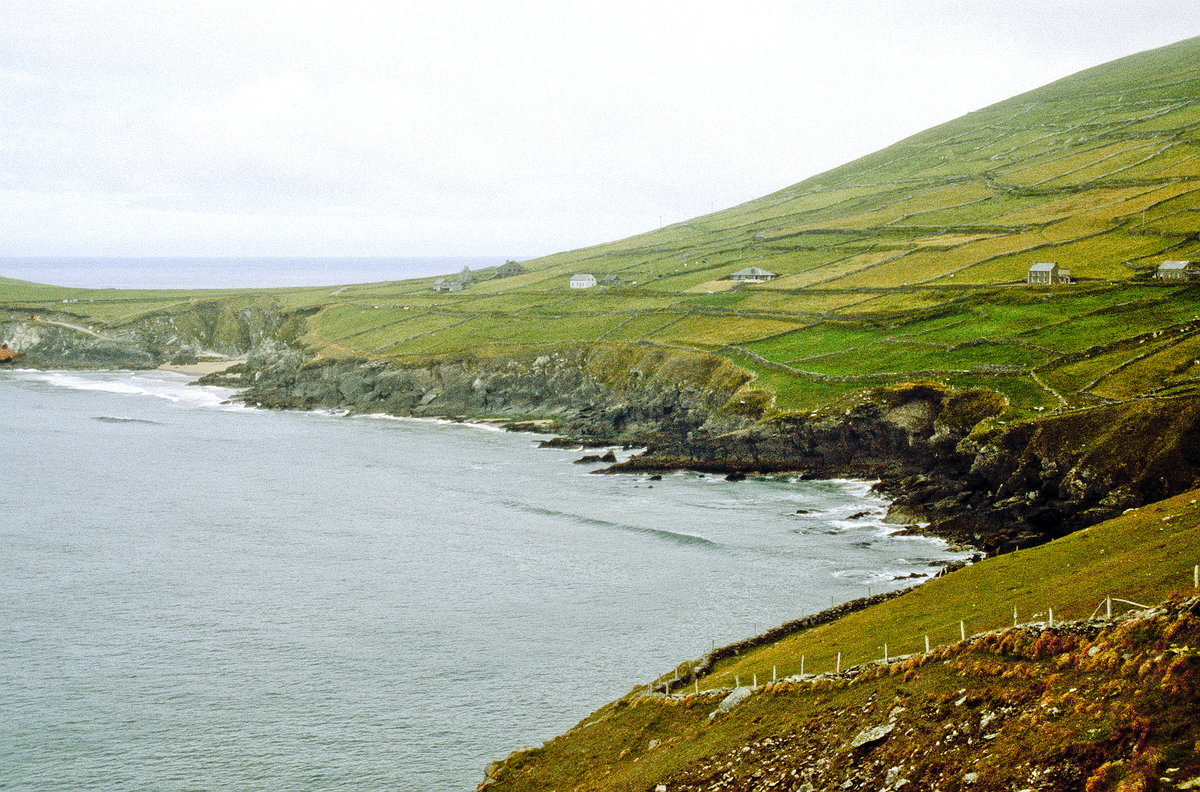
[449,285]
[611,279]
[1176,270]
[1047,272]
[752,275]
[583,280]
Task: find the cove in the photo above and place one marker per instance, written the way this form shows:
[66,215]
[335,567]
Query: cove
[200,595]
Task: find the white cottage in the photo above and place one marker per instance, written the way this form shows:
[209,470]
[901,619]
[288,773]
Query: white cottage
[752,275]
[1176,270]
[583,280]
[1047,272]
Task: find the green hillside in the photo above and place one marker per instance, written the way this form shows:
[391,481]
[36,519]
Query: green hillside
[1122,670]
[906,263]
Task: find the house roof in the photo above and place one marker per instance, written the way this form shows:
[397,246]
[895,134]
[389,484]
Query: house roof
[752,272]
[1175,265]
[1044,266]
[582,275]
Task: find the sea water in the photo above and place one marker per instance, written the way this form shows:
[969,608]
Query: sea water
[230,273]
[198,595]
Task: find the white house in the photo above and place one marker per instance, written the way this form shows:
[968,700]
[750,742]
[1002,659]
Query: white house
[752,275]
[583,280]
[1176,270]
[1047,272]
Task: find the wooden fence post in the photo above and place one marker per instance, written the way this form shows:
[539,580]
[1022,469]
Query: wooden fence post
[885,653]
[802,665]
[1051,612]
[839,663]
[926,644]
[962,630]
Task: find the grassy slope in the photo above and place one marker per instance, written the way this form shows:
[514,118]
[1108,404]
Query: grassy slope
[1146,556]
[906,260]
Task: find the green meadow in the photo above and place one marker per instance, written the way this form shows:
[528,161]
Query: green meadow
[908,263]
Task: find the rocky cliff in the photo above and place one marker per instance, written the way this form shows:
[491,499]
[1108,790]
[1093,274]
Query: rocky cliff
[945,460]
[622,394]
[941,454]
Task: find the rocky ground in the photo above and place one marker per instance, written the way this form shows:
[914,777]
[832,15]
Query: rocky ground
[1102,705]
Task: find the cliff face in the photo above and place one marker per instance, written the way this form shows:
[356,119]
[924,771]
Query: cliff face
[998,489]
[619,394]
[60,339]
[1023,484]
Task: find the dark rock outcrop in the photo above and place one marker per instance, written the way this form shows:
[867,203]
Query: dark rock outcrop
[606,394]
[999,489]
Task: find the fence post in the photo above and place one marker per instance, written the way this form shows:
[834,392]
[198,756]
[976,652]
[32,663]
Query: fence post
[885,653]
[1014,615]
[697,686]
[962,630]
[737,681]
[1051,612]
[839,663]
[801,665]
[774,677]
[755,681]
[1196,576]
[1108,607]
[926,644]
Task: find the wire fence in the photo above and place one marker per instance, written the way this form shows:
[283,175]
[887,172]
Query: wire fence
[689,681]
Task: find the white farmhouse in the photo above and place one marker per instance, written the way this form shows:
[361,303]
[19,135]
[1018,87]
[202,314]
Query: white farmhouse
[583,280]
[752,275]
[1176,270]
[1047,272]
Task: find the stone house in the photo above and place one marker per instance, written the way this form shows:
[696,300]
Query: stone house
[752,275]
[1176,270]
[1047,272]
[583,280]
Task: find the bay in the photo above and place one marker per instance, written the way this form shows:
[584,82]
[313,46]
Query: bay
[204,596]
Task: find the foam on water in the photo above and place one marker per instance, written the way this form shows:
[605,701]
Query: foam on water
[167,385]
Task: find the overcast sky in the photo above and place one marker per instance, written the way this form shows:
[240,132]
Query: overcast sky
[482,128]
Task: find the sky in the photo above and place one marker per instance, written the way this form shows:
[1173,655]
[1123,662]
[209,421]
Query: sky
[464,128]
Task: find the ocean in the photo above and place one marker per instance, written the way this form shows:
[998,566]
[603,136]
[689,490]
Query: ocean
[231,273]
[198,595]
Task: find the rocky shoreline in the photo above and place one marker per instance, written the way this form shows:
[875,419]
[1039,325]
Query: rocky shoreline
[952,468]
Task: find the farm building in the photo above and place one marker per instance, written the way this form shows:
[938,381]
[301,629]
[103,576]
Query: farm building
[1048,272]
[448,285]
[752,275]
[611,280]
[583,280]
[1176,270]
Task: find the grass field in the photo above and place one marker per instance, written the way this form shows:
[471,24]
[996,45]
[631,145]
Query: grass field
[894,264]
[1144,556]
